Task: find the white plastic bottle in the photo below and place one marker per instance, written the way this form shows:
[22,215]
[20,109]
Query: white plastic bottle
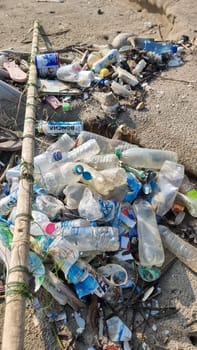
[150,246]
[169,180]
[184,251]
[89,238]
[106,145]
[111,57]
[147,158]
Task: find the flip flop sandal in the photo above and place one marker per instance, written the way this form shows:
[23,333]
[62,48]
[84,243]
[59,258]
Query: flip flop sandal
[9,140]
[16,74]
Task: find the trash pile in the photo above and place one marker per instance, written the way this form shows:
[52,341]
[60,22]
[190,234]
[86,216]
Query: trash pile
[103,209]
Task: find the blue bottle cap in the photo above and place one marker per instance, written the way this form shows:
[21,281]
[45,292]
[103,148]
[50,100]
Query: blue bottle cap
[78,169]
[57,155]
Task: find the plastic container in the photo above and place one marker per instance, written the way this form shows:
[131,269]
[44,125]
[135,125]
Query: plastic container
[184,251]
[106,145]
[69,72]
[150,247]
[111,57]
[147,158]
[56,128]
[89,238]
[169,180]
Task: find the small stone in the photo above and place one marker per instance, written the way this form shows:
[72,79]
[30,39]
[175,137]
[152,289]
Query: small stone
[140,106]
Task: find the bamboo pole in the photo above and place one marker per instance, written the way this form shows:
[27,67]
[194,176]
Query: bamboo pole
[17,288]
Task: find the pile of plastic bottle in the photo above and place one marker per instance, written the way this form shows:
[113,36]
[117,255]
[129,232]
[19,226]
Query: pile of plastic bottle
[95,195]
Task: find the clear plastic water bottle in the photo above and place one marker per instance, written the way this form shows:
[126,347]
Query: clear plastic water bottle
[56,128]
[89,238]
[82,152]
[63,227]
[147,158]
[106,145]
[150,246]
[111,57]
[103,161]
[64,144]
[184,251]
[169,180]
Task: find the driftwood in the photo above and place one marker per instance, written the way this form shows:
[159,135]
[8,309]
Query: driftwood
[16,287]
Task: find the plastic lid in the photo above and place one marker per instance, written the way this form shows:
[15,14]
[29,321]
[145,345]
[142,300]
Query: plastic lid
[57,155]
[48,227]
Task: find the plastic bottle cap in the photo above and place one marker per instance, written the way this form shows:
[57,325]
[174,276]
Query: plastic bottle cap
[103,72]
[57,155]
[174,48]
[66,106]
[48,227]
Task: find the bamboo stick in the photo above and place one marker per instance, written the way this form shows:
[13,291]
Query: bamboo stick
[16,288]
